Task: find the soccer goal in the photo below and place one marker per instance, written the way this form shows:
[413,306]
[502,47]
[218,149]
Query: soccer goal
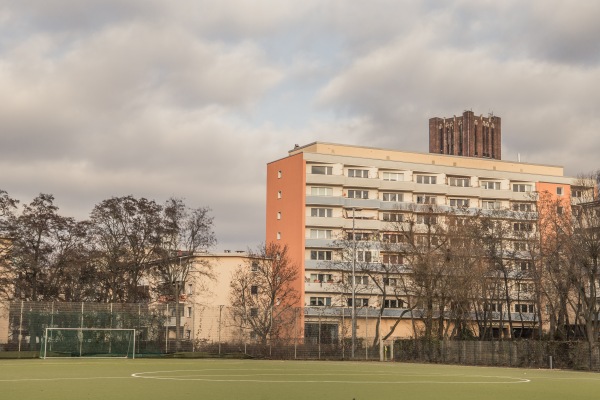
[88,342]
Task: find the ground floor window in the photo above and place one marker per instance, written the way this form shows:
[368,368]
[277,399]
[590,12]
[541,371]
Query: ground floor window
[315,333]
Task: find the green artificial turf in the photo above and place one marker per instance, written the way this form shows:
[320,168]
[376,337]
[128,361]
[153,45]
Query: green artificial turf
[286,380]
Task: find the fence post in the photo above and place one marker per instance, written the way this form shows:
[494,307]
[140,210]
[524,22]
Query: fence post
[366,334]
[296,310]
[21,326]
[219,331]
[168,320]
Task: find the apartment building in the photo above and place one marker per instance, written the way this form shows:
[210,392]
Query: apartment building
[322,192]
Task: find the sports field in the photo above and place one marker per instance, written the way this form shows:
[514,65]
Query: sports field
[283,380]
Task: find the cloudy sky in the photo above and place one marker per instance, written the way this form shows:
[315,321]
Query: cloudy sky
[192,98]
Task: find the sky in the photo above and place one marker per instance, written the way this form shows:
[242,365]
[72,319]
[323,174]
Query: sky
[192,98]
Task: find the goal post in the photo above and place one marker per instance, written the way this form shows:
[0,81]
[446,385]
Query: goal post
[88,342]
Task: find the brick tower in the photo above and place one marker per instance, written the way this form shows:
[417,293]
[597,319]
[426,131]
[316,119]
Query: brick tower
[468,136]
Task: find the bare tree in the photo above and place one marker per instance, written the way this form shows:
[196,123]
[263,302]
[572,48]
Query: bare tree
[125,232]
[585,257]
[425,239]
[263,293]
[8,206]
[182,233]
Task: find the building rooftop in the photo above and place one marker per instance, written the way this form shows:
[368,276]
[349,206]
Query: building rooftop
[428,158]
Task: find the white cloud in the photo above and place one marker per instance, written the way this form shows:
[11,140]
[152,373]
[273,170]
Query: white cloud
[108,98]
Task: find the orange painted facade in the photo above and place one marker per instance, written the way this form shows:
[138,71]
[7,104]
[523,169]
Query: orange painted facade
[286,199]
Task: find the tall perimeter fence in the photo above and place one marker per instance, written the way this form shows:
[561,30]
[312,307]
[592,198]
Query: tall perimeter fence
[307,335]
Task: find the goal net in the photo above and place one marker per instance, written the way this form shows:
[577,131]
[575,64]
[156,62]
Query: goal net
[88,342]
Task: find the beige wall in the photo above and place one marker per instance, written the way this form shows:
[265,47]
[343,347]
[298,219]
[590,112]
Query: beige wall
[209,298]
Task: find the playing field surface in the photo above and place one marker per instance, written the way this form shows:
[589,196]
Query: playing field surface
[108,379]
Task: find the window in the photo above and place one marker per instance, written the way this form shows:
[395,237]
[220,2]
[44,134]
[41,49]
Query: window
[394,303]
[321,191]
[359,302]
[521,246]
[321,278]
[320,233]
[559,210]
[392,259]
[522,187]
[279,194]
[559,191]
[524,265]
[491,205]
[358,173]
[364,255]
[321,212]
[278,235]
[321,255]
[320,301]
[424,241]
[254,267]
[497,307]
[524,308]
[427,179]
[423,199]
[393,197]
[190,290]
[526,287]
[393,176]
[490,185]
[360,280]
[462,182]
[459,202]
[254,312]
[358,194]
[253,289]
[390,281]
[358,236]
[189,312]
[576,193]
[392,238]
[426,219]
[322,170]
[278,215]
[522,226]
[279,174]
[524,207]
[392,217]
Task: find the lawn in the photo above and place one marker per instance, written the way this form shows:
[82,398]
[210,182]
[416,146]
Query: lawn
[283,380]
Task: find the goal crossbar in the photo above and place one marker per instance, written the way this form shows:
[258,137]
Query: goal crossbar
[51,338]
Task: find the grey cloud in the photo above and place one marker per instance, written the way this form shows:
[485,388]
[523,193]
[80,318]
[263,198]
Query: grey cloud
[139,97]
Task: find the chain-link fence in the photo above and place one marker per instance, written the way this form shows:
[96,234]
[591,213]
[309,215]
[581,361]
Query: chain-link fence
[299,333]
[505,353]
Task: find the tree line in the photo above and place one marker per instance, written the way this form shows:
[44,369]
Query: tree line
[463,273]
[129,250]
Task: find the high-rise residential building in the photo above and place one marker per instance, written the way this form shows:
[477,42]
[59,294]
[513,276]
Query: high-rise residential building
[321,193]
[467,135]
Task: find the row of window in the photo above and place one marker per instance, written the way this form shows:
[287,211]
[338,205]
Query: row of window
[421,241]
[322,191]
[324,212]
[428,179]
[397,303]
[360,302]
[518,307]
[393,237]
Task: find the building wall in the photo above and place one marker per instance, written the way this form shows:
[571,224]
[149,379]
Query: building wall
[516,184]
[286,182]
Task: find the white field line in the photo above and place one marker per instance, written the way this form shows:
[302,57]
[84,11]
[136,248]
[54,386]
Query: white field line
[233,377]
